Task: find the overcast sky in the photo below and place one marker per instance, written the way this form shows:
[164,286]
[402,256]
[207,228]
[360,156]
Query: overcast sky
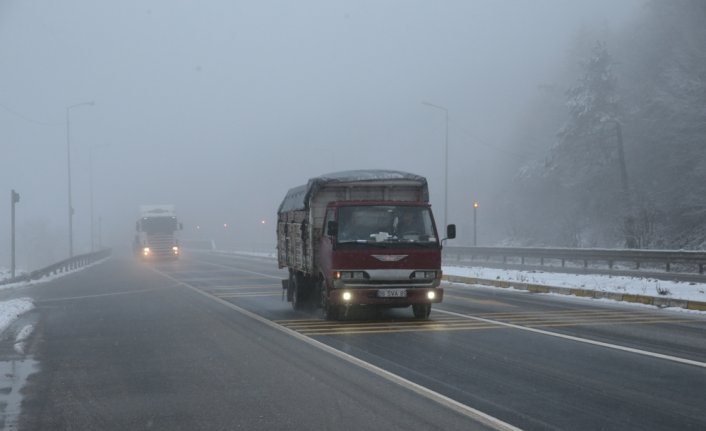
[219,107]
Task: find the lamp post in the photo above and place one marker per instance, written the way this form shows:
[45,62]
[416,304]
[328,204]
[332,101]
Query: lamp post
[631,240]
[14,198]
[475,223]
[68,165]
[90,190]
[100,232]
[446,160]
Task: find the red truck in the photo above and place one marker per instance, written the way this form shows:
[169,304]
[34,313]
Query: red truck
[361,238]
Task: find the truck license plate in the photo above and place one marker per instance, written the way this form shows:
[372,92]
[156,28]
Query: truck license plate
[392,293]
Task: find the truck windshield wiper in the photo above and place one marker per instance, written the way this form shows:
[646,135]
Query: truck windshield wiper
[425,244]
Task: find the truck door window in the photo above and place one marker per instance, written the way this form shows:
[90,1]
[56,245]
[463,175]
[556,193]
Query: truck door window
[327,218]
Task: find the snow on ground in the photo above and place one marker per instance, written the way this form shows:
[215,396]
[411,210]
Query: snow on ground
[21,338]
[12,309]
[605,283]
[4,273]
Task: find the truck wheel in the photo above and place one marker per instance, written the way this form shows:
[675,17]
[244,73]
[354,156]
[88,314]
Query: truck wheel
[297,292]
[421,311]
[330,311]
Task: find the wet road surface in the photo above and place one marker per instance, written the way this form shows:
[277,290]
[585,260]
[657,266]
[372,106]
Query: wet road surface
[207,343]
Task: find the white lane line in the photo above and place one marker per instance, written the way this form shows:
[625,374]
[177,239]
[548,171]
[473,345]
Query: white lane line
[101,295]
[427,393]
[239,269]
[579,339]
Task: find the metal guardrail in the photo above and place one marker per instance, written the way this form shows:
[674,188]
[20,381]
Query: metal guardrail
[666,258]
[59,267]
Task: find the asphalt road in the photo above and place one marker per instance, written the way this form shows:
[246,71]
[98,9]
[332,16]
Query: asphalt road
[122,347]
[207,343]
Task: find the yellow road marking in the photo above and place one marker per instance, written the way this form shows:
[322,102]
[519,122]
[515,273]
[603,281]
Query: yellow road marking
[529,320]
[480,301]
[467,328]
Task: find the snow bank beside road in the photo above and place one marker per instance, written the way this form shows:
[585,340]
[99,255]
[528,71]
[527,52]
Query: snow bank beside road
[676,290]
[4,273]
[12,309]
[604,283]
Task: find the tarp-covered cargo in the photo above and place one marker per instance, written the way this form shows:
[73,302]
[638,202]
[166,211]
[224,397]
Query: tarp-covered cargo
[301,213]
[298,198]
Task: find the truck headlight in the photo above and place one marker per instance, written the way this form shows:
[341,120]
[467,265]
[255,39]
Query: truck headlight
[175,249]
[351,275]
[146,251]
[347,296]
[431,295]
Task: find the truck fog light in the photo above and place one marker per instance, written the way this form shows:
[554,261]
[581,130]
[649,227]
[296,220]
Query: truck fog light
[346,296]
[431,294]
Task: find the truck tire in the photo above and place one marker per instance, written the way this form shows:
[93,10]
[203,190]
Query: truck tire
[298,291]
[330,311]
[421,311]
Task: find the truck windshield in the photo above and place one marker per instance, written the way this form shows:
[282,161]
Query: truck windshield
[385,224]
[153,225]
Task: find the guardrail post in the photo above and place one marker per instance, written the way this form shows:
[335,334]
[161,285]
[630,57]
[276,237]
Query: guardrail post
[668,266]
[637,265]
[585,263]
[522,261]
[610,264]
[541,261]
[563,262]
[701,268]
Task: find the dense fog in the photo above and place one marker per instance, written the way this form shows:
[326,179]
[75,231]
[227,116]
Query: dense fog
[220,107]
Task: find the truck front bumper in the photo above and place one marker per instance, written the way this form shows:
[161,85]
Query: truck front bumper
[397,296]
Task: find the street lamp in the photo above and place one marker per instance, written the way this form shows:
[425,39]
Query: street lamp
[68,164]
[100,233]
[90,189]
[14,198]
[446,161]
[475,224]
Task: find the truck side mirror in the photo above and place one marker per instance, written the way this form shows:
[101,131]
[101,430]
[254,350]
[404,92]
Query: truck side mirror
[332,228]
[451,231]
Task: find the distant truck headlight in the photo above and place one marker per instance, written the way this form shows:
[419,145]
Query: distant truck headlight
[146,251]
[175,249]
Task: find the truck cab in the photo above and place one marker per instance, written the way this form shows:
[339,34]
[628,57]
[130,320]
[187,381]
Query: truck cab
[157,233]
[380,253]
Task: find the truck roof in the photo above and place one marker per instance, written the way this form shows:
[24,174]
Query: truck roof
[165,210]
[298,198]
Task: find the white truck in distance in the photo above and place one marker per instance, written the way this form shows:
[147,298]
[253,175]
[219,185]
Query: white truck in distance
[157,232]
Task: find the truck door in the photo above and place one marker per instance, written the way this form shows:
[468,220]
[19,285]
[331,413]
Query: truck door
[326,245]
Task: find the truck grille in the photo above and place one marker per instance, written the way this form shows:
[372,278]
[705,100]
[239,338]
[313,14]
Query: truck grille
[161,245]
